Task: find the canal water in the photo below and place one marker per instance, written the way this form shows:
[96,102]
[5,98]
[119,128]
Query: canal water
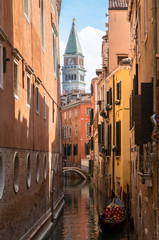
[79,219]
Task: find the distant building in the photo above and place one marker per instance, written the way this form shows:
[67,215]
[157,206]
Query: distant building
[76,128]
[73,71]
[31,183]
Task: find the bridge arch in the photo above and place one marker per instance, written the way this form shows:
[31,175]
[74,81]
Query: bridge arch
[74,169]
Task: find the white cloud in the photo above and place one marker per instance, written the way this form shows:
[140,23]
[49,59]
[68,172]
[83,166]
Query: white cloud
[91,43]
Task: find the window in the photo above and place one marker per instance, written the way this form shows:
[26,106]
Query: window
[37,168]
[42,24]
[118,138]
[1,65]
[45,168]
[75,112]
[28,171]
[91,89]
[53,4]
[69,114]
[74,76]
[86,148]
[55,60]
[66,77]
[109,139]
[109,96]
[139,32]
[53,111]
[2,175]
[75,130]
[146,19]
[75,149]
[87,111]
[16,173]
[119,58]
[67,133]
[26,9]
[16,78]
[70,131]
[82,78]
[88,128]
[44,100]
[64,115]
[118,91]
[28,90]
[37,99]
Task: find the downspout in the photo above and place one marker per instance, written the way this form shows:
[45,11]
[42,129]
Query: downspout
[154,16]
[113,165]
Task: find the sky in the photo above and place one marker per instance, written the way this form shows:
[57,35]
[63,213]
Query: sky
[90,22]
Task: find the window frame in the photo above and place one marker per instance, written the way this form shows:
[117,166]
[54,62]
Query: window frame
[42,26]
[44,105]
[88,111]
[15,61]
[53,5]
[37,99]
[25,14]
[75,112]
[28,76]
[1,65]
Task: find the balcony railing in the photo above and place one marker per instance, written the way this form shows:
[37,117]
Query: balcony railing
[118,4]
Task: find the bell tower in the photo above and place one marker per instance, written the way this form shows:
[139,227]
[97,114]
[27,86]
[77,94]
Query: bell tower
[73,71]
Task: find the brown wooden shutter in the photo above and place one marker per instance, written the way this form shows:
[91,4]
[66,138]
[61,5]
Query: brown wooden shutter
[118,138]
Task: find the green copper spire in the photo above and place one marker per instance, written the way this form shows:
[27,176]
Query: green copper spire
[73,44]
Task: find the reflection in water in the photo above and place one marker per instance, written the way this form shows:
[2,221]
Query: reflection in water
[79,220]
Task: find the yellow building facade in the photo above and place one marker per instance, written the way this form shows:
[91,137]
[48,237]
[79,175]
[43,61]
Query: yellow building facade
[117,95]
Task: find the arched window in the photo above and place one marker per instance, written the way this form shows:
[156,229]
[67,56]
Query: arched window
[37,168]
[28,171]
[16,173]
[45,168]
[2,176]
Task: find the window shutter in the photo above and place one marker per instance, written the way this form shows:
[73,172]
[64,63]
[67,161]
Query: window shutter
[102,133]
[70,149]
[120,90]
[99,133]
[91,116]
[118,138]
[85,148]
[107,97]
[92,143]
[110,96]
[76,149]
[109,139]
[91,89]
[4,59]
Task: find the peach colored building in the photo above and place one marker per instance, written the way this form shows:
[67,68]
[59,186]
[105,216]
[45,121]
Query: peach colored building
[31,192]
[118,33]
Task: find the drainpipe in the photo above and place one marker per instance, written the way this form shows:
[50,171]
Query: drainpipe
[113,165]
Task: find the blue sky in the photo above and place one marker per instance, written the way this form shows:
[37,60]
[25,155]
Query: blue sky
[90,25]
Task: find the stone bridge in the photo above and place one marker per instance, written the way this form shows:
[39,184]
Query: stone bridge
[82,171]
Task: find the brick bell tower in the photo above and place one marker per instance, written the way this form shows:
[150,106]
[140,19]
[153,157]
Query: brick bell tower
[73,71]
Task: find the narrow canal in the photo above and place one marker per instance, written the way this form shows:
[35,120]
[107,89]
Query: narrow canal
[79,219]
